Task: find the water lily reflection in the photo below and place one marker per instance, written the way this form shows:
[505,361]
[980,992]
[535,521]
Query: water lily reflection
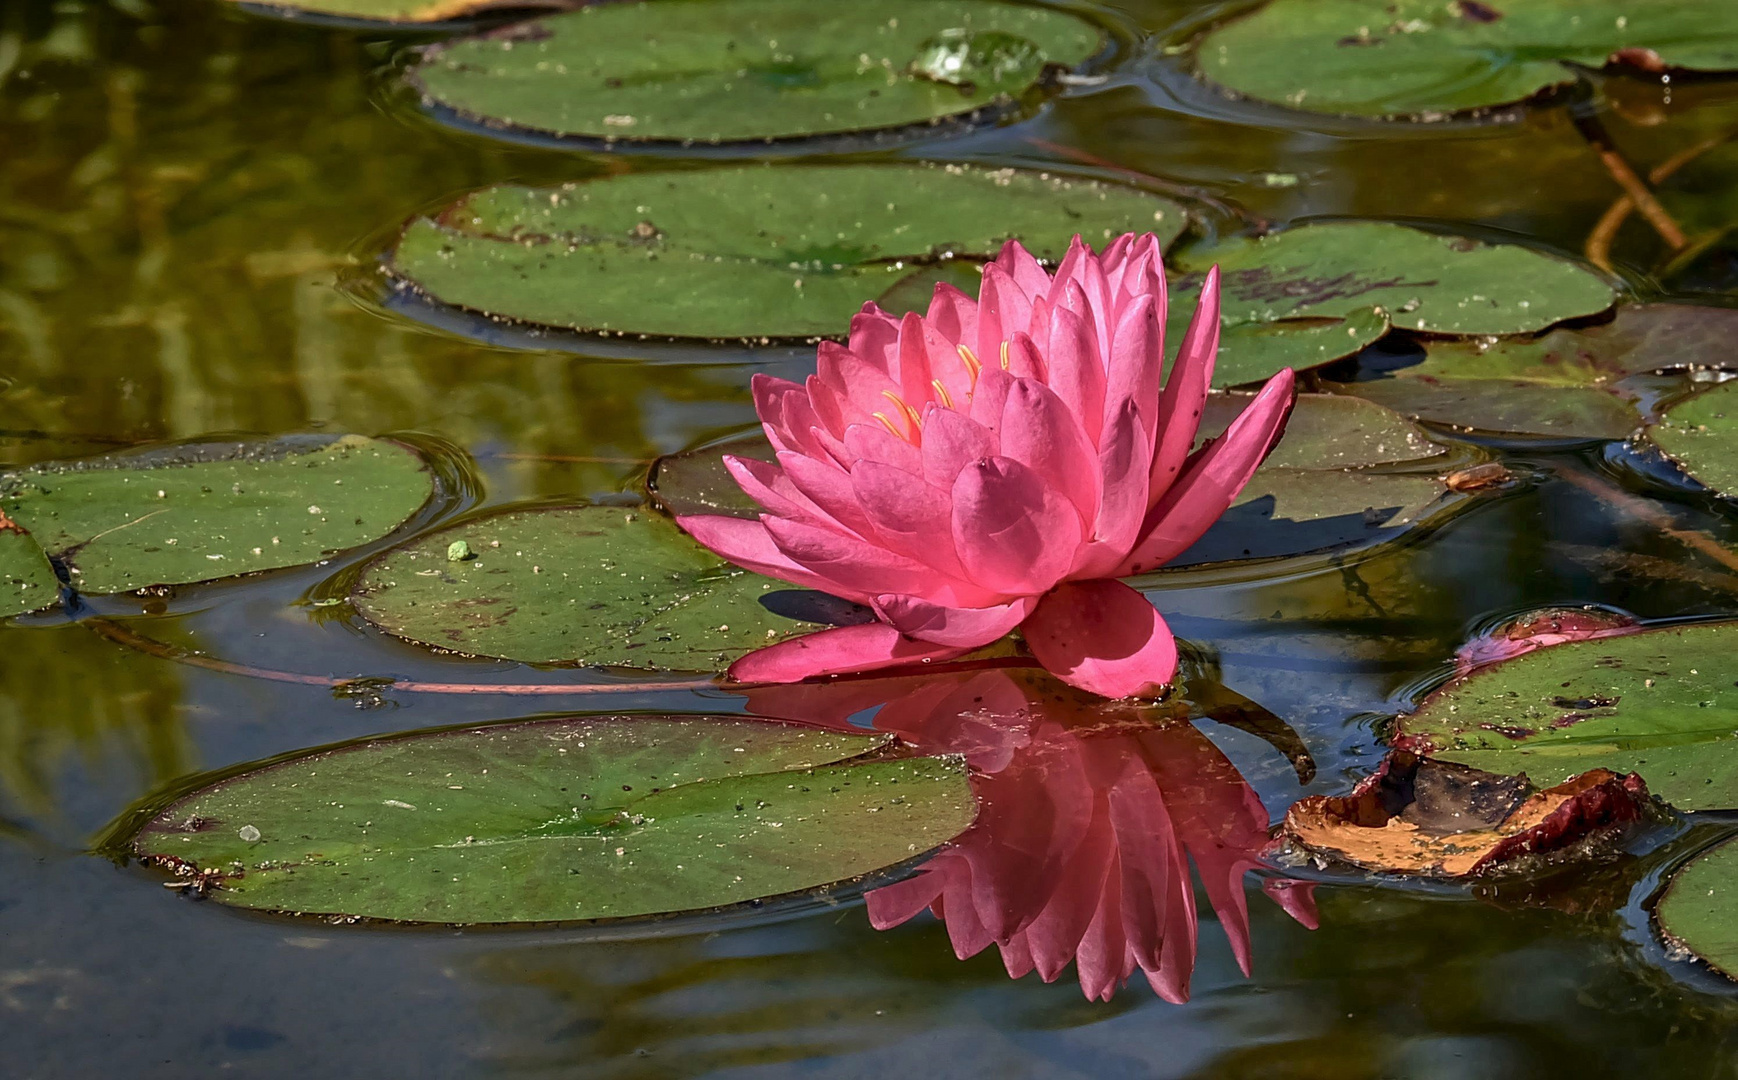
[1089,814]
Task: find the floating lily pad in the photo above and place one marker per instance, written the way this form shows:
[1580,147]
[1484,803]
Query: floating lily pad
[1346,473]
[738,70]
[27,581]
[1565,383]
[1429,59]
[749,252]
[595,585]
[1249,352]
[214,510]
[559,820]
[1701,434]
[1699,910]
[1661,703]
[395,11]
[1423,281]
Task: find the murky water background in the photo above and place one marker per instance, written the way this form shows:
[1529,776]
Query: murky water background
[184,187]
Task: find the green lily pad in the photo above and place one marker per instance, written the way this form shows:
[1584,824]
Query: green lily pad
[1249,352]
[1346,473]
[394,11]
[1699,909]
[1340,478]
[27,581]
[749,252]
[736,70]
[1701,435]
[1423,281]
[1661,703]
[1430,59]
[557,820]
[1564,384]
[214,510]
[594,585]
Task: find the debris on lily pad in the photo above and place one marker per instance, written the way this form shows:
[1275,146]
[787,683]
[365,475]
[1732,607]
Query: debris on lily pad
[755,252]
[1434,59]
[1418,816]
[752,71]
[412,13]
[1540,629]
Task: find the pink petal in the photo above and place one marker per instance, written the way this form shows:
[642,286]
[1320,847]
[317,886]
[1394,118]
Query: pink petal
[1212,479]
[969,628]
[954,317]
[828,486]
[1075,372]
[908,514]
[853,567]
[1069,271]
[988,401]
[1003,308]
[859,385]
[1015,534]
[1102,960]
[875,337]
[1024,359]
[899,903]
[1137,354]
[1019,264]
[750,546]
[1186,390]
[1123,505]
[830,407]
[872,442]
[951,441]
[767,484]
[785,413]
[839,650]
[1039,432]
[913,372]
[1102,637]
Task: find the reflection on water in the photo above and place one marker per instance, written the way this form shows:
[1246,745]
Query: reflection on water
[1089,815]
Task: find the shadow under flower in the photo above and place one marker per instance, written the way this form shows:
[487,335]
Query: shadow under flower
[1090,812]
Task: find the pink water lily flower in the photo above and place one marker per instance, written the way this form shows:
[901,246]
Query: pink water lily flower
[994,465]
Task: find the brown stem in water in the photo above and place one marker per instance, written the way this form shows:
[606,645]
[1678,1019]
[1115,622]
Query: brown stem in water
[1604,232]
[1645,511]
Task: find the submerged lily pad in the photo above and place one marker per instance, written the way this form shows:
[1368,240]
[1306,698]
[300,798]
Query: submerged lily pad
[1699,910]
[751,70]
[1661,703]
[27,581]
[557,820]
[595,585]
[734,70]
[1701,434]
[748,252]
[1564,384]
[1422,281]
[1346,473]
[213,510]
[1429,59]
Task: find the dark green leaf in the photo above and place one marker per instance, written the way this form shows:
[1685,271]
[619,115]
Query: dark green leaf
[1661,703]
[1428,59]
[733,70]
[214,510]
[27,581]
[1701,434]
[750,252]
[560,820]
[1699,911]
[595,585]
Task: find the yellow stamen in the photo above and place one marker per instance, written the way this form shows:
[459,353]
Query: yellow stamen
[941,394]
[1004,356]
[914,426]
[888,424]
[973,366]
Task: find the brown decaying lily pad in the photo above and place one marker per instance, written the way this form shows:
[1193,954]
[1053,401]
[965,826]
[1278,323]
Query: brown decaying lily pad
[1415,815]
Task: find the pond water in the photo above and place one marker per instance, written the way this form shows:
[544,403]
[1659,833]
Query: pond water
[193,200]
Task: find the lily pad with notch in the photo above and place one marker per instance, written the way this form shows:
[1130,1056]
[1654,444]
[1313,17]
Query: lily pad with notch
[556,820]
[1661,703]
[752,71]
[27,581]
[1424,282]
[780,251]
[594,585]
[1435,59]
[197,512]
[1567,383]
